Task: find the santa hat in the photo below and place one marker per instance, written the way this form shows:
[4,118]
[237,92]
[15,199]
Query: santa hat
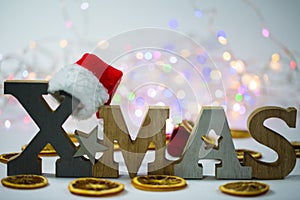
[92,81]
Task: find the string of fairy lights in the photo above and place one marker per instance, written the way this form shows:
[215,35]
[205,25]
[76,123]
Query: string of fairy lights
[244,89]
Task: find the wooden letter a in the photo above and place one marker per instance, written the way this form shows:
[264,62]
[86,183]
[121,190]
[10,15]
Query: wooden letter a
[211,119]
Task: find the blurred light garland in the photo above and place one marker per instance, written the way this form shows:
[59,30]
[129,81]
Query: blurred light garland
[245,89]
[167,71]
[38,60]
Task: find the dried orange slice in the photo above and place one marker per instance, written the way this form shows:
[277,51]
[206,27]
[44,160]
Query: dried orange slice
[237,133]
[73,137]
[240,154]
[25,181]
[296,145]
[48,150]
[94,187]
[158,182]
[6,156]
[244,188]
[150,147]
[297,151]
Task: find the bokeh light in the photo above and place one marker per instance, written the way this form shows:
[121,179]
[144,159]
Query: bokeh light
[7,124]
[84,5]
[265,32]
[293,64]
[63,43]
[198,13]
[175,71]
[173,24]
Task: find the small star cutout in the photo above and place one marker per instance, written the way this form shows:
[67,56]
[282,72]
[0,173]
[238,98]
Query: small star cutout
[211,140]
[89,144]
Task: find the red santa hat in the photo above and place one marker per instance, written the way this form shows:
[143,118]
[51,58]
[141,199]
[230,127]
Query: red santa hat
[90,80]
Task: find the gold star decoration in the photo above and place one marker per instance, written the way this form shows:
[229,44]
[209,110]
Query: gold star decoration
[211,140]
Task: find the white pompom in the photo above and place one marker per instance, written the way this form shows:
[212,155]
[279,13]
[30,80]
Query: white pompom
[82,84]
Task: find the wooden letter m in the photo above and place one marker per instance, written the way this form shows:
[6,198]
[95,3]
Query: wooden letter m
[153,129]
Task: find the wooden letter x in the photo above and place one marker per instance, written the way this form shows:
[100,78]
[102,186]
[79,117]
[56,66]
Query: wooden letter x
[29,94]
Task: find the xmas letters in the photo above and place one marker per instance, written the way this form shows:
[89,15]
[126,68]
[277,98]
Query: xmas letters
[211,119]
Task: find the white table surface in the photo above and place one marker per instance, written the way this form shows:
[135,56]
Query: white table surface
[19,134]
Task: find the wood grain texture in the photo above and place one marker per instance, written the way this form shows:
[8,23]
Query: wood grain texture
[29,94]
[133,151]
[211,119]
[286,153]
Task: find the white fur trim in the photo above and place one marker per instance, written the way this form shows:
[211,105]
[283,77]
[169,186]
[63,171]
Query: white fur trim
[82,84]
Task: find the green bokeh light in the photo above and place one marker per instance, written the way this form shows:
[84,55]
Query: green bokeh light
[131,96]
[238,97]
[167,67]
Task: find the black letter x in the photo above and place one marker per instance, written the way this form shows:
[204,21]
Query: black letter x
[29,94]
